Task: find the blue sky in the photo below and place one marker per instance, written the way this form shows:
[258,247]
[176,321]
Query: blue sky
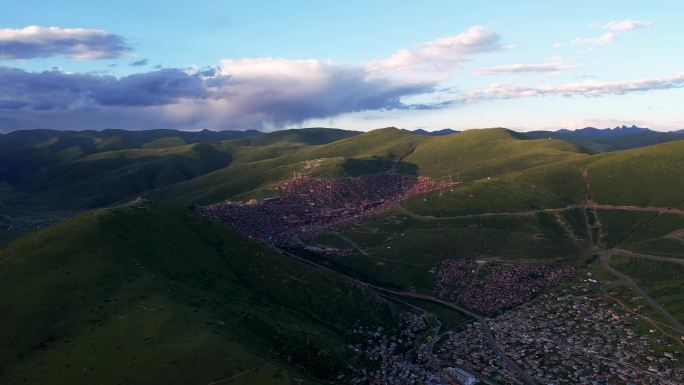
[353,64]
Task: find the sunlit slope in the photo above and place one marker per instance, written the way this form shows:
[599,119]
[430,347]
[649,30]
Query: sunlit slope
[370,152]
[501,169]
[155,294]
[475,154]
[470,155]
[648,176]
[403,252]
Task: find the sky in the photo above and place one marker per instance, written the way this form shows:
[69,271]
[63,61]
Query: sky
[268,65]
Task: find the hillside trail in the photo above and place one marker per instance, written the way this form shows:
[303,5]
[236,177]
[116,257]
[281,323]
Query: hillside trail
[606,254]
[628,253]
[529,213]
[241,374]
[605,257]
[677,236]
[658,325]
[367,254]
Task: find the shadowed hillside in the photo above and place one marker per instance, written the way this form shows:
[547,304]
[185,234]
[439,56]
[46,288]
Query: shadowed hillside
[150,294]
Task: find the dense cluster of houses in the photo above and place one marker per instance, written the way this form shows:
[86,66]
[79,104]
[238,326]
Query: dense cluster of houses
[578,339]
[489,287]
[568,339]
[310,207]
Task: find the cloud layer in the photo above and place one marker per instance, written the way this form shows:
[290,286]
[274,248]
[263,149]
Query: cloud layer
[441,56]
[553,66]
[262,93]
[623,25]
[76,43]
[613,28]
[239,94]
[604,39]
[251,93]
[590,88]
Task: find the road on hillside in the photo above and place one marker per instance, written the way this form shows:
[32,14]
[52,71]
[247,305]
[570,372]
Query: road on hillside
[487,332]
[679,261]
[606,255]
[659,210]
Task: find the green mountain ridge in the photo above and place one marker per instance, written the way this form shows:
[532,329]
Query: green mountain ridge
[149,292]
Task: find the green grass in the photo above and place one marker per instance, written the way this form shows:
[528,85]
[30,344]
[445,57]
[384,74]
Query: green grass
[502,170]
[619,226]
[552,186]
[662,281]
[659,247]
[404,251]
[477,154]
[647,176]
[153,293]
[647,233]
[79,170]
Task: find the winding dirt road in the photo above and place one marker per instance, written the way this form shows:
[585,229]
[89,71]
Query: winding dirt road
[606,255]
[489,337]
[679,261]
[659,210]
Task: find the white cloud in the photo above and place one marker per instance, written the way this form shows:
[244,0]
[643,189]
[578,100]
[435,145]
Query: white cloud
[608,37]
[552,66]
[590,88]
[440,57]
[75,43]
[236,94]
[605,39]
[281,91]
[623,25]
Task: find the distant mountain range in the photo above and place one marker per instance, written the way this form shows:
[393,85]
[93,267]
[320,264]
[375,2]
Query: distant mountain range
[606,132]
[609,139]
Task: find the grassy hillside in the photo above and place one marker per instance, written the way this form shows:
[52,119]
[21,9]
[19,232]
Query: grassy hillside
[647,176]
[501,171]
[403,252]
[361,154]
[662,281]
[470,155]
[477,154]
[302,136]
[154,294]
[104,178]
[76,170]
[648,233]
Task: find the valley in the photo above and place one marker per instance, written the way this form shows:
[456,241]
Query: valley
[324,256]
